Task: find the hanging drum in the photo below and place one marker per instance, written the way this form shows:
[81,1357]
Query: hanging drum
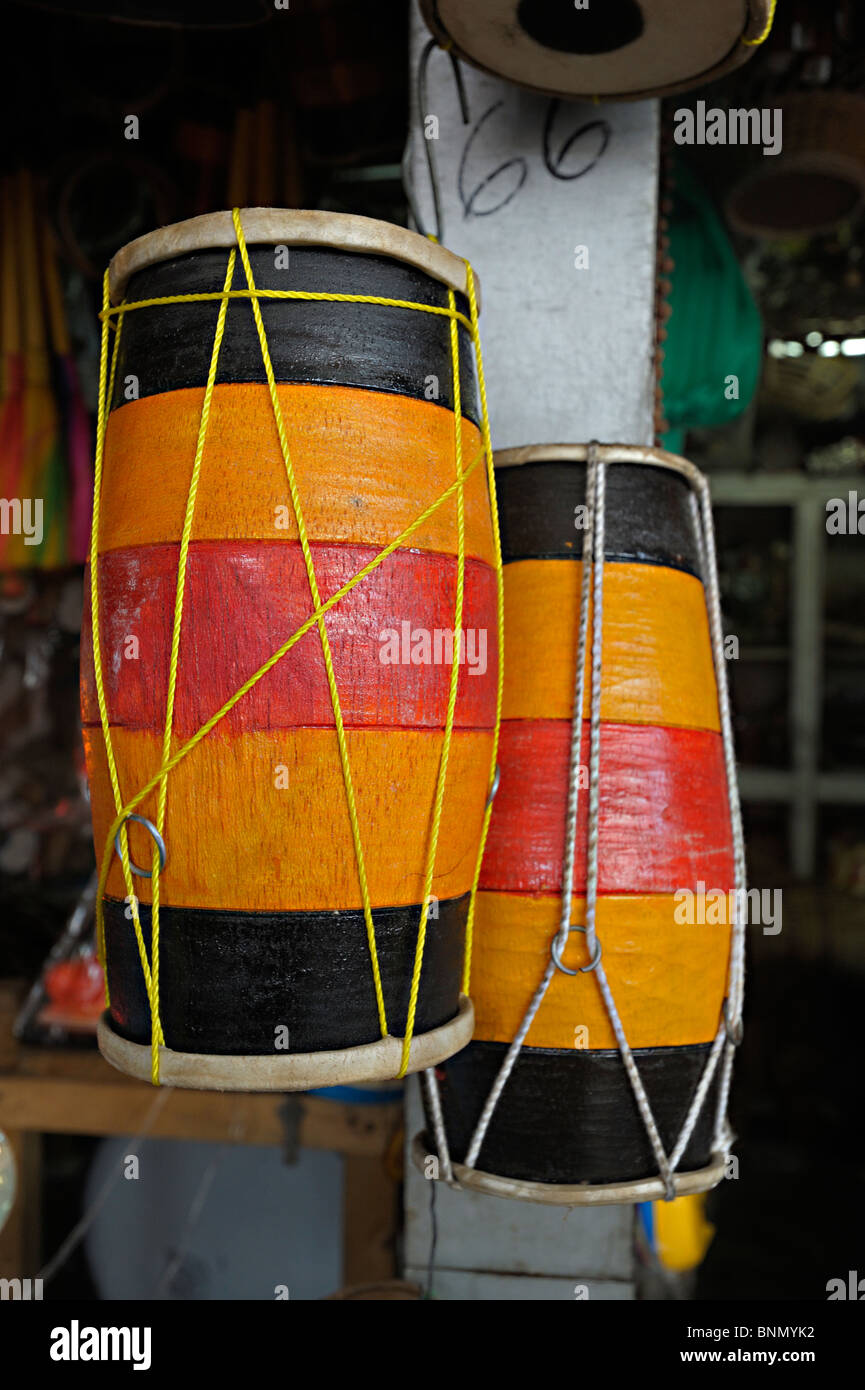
[299,828]
[613,49]
[566,1095]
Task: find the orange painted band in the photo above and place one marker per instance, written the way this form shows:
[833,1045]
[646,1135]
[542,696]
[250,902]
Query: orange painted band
[656,659]
[259,822]
[668,979]
[367,464]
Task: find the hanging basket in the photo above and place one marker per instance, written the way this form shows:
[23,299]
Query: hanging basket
[817,182]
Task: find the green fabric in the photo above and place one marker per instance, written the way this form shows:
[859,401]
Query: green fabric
[715,330]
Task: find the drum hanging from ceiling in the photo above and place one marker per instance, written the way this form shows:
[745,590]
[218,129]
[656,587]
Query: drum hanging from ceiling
[266,958]
[614,49]
[541,1105]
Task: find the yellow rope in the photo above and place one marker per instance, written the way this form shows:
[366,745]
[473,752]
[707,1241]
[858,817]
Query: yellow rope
[452,697]
[170,761]
[500,619]
[314,295]
[305,627]
[156,1028]
[106,389]
[767,28]
[322,629]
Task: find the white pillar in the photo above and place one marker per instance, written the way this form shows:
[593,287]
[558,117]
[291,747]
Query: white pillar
[555,206]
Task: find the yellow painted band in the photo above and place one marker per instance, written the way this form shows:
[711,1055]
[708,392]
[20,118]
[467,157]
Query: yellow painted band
[657,654]
[668,979]
[246,812]
[366,465]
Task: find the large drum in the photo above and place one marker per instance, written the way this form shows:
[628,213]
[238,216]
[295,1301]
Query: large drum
[543,1104]
[276,968]
[613,49]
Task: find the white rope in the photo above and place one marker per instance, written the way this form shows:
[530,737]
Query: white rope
[722,1135]
[696,522]
[563,931]
[430,1082]
[729,1033]
[705,534]
[579,697]
[698,1101]
[732,1024]
[592,855]
[593,829]
[506,1068]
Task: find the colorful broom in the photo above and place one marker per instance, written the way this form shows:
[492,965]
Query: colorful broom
[44,473]
[11,417]
[75,439]
[44,426]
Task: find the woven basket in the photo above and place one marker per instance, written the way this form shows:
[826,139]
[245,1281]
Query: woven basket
[818,179]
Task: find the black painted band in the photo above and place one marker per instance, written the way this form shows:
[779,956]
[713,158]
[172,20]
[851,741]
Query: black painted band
[380,348]
[229,980]
[571,1117]
[648,514]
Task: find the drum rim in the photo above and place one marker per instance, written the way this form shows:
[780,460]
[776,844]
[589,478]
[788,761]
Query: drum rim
[758,14]
[578,1194]
[342,231]
[299,1071]
[651,455]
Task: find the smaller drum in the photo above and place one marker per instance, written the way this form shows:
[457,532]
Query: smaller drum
[599,1067]
[614,49]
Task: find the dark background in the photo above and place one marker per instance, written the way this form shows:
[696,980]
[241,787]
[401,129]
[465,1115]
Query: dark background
[310,109]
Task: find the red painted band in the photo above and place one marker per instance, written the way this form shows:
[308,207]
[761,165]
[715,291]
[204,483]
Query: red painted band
[244,600]
[664,818]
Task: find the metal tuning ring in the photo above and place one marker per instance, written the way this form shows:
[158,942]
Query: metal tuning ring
[583,969]
[494,788]
[157,839]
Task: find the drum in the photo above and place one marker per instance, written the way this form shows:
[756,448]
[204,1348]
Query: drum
[817,182]
[618,49]
[600,1063]
[318,841]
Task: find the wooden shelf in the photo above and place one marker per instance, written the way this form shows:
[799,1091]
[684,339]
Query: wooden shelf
[73,1092]
[57,1091]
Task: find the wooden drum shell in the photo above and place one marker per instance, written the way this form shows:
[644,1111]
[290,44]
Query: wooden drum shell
[567,1115]
[261,920]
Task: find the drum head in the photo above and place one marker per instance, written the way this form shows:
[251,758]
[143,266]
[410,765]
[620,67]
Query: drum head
[615,48]
[293,227]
